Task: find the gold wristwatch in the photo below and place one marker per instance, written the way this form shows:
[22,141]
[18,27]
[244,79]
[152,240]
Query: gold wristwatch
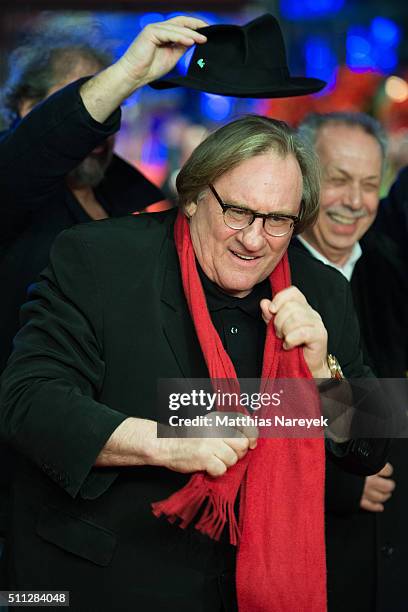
[334,367]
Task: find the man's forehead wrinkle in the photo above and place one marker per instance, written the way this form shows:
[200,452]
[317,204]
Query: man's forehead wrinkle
[329,169]
[344,140]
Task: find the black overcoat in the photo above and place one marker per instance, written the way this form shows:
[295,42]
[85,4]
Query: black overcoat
[374,544]
[106,321]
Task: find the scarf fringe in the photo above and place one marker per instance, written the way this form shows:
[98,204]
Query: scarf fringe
[185,504]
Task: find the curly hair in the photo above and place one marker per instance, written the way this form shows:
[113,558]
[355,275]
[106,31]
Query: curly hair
[45,58]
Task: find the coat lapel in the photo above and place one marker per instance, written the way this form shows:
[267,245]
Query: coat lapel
[177,323]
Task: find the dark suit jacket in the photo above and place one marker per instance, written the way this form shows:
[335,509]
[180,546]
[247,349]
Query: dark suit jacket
[376,545]
[392,217]
[107,320]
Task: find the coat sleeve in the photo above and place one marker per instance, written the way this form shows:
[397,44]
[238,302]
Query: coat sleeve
[360,456]
[328,292]
[347,346]
[37,154]
[343,490]
[49,411]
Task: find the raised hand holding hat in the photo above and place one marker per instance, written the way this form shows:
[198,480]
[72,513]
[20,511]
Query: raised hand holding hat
[246,61]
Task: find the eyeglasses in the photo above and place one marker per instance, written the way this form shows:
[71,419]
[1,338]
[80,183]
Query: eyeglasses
[239,218]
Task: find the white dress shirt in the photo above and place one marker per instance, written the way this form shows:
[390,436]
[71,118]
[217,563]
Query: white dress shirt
[347,268]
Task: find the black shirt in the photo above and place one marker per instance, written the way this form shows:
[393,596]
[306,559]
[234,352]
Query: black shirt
[239,324]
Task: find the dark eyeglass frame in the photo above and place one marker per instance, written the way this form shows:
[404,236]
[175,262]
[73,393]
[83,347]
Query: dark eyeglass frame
[264,216]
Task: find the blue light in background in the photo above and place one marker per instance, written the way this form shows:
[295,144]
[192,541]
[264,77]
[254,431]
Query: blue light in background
[176,14]
[150,18]
[183,63]
[309,9]
[359,54]
[121,29]
[321,61]
[386,35]
[373,48]
[385,31]
[215,108]
[209,18]
[386,59]
[154,150]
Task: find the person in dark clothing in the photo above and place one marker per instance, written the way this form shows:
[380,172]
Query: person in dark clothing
[57,169]
[109,317]
[392,217]
[57,166]
[365,523]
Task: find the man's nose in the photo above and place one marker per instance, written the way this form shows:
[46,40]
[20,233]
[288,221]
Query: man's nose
[253,236]
[353,197]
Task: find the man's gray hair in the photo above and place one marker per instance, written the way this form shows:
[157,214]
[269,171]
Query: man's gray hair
[45,58]
[311,125]
[243,139]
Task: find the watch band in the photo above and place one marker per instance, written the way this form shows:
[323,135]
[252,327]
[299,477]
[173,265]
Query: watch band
[334,367]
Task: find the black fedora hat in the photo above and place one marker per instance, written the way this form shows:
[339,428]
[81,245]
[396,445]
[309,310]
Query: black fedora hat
[246,61]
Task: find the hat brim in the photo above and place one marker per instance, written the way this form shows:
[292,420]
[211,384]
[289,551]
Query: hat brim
[294,86]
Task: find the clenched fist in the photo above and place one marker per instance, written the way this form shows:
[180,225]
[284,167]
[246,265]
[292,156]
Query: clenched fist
[297,324]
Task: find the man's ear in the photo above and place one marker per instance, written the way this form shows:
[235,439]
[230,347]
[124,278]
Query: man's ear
[190,209]
[25,106]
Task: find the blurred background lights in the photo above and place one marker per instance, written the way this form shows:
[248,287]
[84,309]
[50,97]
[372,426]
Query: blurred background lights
[309,9]
[373,48]
[321,61]
[184,61]
[210,18]
[150,18]
[385,59]
[385,31]
[396,89]
[358,49]
[215,108]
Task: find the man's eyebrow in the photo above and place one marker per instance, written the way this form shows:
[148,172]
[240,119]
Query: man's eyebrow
[371,177]
[229,202]
[347,175]
[256,212]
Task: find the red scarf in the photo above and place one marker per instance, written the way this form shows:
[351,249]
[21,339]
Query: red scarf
[281,553]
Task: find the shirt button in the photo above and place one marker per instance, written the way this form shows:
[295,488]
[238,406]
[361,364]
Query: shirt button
[388,551]
[234,330]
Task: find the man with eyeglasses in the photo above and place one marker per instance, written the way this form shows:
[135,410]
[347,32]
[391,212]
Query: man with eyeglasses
[96,341]
[239,217]
[179,294]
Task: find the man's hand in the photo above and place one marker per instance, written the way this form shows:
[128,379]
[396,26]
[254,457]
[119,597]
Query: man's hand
[158,48]
[218,449]
[297,324]
[135,442]
[377,490]
[154,52]
[211,455]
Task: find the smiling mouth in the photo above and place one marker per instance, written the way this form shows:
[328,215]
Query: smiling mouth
[244,257]
[342,219]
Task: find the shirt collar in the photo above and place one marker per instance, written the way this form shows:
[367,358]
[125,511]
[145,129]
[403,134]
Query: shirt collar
[217,299]
[347,269]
